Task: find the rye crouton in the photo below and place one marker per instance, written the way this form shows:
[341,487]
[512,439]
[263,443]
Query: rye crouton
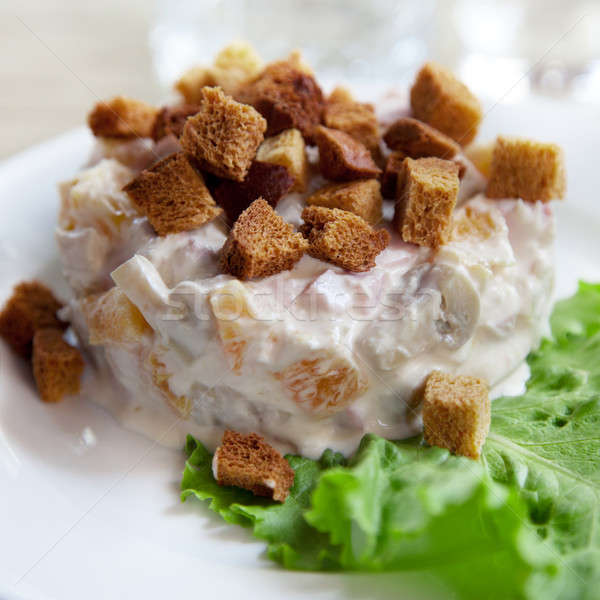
[342,238]
[224,135]
[170,120]
[122,117]
[417,139]
[287,97]
[438,98]
[264,180]
[57,366]
[261,243]
[526,169]
[287,149]
[342,158]
[173,195]
[354,118]
[235,65]
[456,413]
[427,193]
[248,462]
[32,306]
[389,180]
[362,197]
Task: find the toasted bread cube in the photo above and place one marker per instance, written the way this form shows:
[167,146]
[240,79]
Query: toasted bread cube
[362,197]
[286,96]
[170,120]
[354,118]
[438,98]
[248,462]
[261,243]
[191,83]
[526,169]
[122,117]
[417,139]
[456,413]
[224,135]
[235,65]
[288,150]
[427,193]
[342,158]
[57,366]
[264,180]
[342,238]
[393,167]
[32,306]
[113,319]
[173,196]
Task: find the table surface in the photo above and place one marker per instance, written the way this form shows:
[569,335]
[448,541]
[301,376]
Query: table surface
[58,58]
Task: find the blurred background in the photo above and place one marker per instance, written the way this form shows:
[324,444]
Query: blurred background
[60,57]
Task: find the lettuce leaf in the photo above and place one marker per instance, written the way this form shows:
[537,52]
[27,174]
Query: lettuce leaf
[522,523]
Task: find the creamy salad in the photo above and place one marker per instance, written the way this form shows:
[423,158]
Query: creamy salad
[311,358]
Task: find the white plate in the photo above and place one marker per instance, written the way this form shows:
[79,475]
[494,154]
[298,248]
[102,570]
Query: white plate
[90,510]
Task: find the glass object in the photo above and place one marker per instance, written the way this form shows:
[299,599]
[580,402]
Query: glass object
[374,40]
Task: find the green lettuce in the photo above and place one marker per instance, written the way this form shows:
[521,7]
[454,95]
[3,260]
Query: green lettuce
[521,523]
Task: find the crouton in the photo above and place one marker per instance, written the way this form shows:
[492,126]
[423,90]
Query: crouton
[287,97]
[235,65]
[112,318]
[122,117]
[342,158]
[438,98]
[288,150]
[456,413]
[173,195]
[32,306]
[191,83]
[481,156]
[224,135]
[57,366]
[362,197]
[264,180]
[171,119]
[342,238]
[427,193]
[526,169]
[389,181]
[248,462]
[354,118]
[417,139]
[261,243]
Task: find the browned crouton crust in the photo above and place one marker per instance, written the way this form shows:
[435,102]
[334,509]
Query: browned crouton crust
[427,193]
[288,150]
[389,181]
[173,196]
[170,120]
[438,98]
[342,238]
[264,180]
[456,413]
[57,366]
[32,306]
[248,462]
[122,117]
[261,243]
[224,135]
[526,169]
[362,197]
[286,96]
[342,158]
[417,139]
[354,118]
